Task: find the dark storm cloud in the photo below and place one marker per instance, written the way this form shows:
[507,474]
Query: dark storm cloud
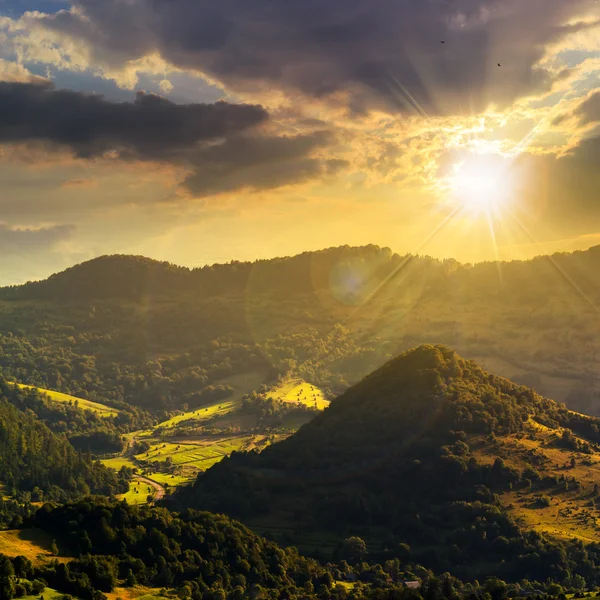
[31,240]
[206,138]
[260,163]
[384,53]
[151,128]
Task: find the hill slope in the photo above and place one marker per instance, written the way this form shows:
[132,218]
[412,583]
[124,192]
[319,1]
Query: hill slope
[412,455]
[34,459]
[126,330]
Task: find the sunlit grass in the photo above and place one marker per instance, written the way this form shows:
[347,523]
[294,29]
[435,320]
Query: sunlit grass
[97,407]
[300,392]
[201,414]
[32,543]
[199,455]
[570,513]
[48,594]
[242,383]
[170,479]
[118,462]
[138,493]
[138,592]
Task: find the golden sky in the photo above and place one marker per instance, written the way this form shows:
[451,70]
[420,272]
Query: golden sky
[204,131]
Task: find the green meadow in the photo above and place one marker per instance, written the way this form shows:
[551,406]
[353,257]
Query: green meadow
[300,392]
[138,493]
[177,452]
[97,407]
[201,455]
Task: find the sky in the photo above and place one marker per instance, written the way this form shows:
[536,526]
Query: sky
[203,131]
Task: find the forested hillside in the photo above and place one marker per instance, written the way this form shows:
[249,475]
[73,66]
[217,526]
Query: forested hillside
[413,456]
[129,331]
[120,549]
[38,464]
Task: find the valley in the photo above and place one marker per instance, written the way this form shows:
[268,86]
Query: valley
[299,299]
[349,443]
[174,451]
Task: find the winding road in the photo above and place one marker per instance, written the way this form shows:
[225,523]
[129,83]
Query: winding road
[159,490]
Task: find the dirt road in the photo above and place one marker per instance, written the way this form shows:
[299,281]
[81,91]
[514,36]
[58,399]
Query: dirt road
[159,490]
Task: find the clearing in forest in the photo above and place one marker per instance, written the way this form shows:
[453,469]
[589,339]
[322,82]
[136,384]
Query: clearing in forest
[32,543]
[242,384]
[301,392]
[567,510]
[97,407]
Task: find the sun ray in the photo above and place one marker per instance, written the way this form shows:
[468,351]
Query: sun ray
[558,268]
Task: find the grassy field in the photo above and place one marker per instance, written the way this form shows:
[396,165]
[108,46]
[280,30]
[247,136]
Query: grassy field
[170,479]
[118,462]
[191,450]
[138,493]
[564,514]
[300,392]
[32,543]
[242,384]
[201,454]
[202,414]
[138,592]
[48,594]
[101,409]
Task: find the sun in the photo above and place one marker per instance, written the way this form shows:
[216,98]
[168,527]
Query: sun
[480,185]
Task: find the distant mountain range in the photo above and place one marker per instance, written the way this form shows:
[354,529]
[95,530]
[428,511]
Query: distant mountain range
[130,330]
[356,271]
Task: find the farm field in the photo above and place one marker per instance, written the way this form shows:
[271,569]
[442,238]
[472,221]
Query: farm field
[301,392]
[201,454]
[169,479]
[119,461]
[32,543]
[101,409]
[138,493]
[186,444]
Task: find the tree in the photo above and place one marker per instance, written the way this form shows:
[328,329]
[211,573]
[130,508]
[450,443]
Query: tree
[130,579]
[353,550]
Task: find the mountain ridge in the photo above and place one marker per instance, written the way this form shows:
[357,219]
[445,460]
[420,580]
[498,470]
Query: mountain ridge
[135,273]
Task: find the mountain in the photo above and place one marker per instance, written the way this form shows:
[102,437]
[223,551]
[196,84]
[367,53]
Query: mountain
[431,453]
[135,277]
[42,465]
[117,276]
[125,330]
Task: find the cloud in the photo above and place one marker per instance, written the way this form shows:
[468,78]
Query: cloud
[30,240]
[151,128]
[385,54]
[217,144]
[83,182]
[16,73]
[260,163]
[589,110]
